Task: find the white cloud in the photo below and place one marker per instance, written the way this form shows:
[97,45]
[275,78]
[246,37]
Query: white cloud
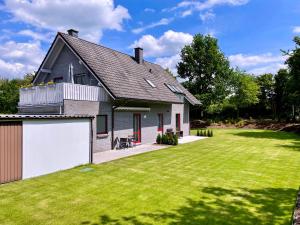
[258,64]
[163,21]
[204,5]
[170,43]
[209,15]
[242,60]
[272,68]
[89,17]
[296,29]
[149,10]
[36,36]
[186,13]
[17,59]
[169,62]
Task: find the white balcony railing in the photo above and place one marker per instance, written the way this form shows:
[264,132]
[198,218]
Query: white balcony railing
[56,93]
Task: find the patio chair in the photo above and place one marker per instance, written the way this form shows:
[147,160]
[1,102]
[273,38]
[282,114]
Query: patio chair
[169,131]
[131,141]
[123,143]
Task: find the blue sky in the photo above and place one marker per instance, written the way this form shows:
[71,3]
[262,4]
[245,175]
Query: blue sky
[250,32]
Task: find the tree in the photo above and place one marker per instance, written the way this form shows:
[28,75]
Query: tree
[245,90]
[9,93]
[266,84]
[281,93]
[293,84]
[206,69]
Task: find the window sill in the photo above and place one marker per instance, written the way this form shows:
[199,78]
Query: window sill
[102,135]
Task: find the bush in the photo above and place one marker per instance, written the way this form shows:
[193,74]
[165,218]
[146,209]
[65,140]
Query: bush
[158,139]
[169,139]
[204,133]
[240,123]
[164,139]
[201,133]
[211,133]
[175,140]
[198,134]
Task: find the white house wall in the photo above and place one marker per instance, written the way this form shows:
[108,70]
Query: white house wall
[53,145]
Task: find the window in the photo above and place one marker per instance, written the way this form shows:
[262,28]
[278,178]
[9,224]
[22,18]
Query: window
[102,124]
[150,83]
[80,78]
[174,89]
[58,79]
[160,126]
[177,122]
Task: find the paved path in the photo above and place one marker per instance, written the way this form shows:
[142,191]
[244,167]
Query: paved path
[110,155]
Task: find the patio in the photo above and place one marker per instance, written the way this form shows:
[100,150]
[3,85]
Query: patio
[110,155]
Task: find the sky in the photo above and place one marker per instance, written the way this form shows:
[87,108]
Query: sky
[251,33]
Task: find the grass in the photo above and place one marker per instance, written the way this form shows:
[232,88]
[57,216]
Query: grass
[236,177]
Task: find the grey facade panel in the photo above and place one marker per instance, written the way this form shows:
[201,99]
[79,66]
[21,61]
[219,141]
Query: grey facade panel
[60,68]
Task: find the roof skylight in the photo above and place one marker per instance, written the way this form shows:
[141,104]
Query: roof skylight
[150,83]
[174,89]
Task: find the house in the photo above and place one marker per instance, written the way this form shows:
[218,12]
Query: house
[125,94]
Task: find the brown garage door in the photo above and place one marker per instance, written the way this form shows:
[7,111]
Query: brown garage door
[10,151]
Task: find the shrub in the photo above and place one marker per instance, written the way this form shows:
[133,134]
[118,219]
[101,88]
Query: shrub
[204,133]
[175,140]
[198,134]
[211,133]
[240,123]
[158,139]
[170,139]
[164,139]
[201,133]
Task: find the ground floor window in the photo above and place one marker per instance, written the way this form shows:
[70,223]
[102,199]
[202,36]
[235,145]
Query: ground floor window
[102,124]
[178,122]
[160,126]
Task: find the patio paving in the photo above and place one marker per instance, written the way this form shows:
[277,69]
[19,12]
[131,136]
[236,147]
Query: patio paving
[110,155]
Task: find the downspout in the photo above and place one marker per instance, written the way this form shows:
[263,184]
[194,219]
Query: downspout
[91,140]
[113,126]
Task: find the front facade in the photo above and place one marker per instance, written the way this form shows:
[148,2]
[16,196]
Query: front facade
[126,95]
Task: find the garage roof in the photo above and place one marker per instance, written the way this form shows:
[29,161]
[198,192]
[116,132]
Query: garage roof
[17,116]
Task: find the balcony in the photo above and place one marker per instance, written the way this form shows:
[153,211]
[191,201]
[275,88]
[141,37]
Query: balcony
[52,96]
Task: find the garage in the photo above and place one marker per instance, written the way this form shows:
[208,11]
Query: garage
[35,145]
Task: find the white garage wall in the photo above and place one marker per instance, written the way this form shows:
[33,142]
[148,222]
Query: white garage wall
[52,145]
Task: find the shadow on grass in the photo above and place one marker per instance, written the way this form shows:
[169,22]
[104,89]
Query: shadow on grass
[294,138]
[279,135]
[267,206]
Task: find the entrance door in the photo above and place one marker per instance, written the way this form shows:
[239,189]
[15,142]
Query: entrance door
[10,151]
[137,127]
[178,122]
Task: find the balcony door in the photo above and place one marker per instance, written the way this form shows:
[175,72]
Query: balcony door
[137,127]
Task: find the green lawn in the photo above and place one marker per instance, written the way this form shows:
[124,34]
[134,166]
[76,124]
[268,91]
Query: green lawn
[236,177]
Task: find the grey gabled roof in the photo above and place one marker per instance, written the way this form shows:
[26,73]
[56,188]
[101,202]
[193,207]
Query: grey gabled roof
[123,76]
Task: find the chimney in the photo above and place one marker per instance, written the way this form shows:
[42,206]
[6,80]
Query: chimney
[73,33]
[138,55]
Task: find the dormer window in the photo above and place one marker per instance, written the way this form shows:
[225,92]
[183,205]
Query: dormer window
[150,83]
[174,89]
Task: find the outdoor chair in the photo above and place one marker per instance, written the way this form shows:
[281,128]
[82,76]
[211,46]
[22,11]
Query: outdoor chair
[123,143]
[131,141]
